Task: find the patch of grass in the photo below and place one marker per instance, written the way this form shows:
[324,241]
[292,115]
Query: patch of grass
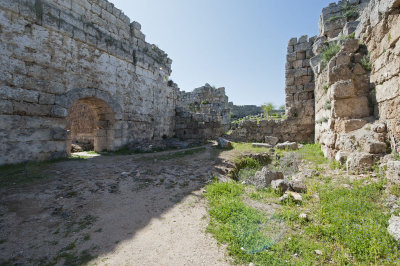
[312,153]
[244,163]
[237,225]
[247,147]
[2,241]
[395,190]
[365,62]
[326,87]
[337,17]
[328,52]
[355,219]
[205,102]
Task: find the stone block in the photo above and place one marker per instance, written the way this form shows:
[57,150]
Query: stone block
[393,172]
[359,162]
[58,133]
[347,126]
[351,108]
[342,90]
[58,111]
[262,145]
[374,147]
[30,109]
[6,107]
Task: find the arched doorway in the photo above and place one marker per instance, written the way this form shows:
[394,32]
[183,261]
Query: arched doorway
[90,124]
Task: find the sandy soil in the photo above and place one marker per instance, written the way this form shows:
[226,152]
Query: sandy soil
[112,210]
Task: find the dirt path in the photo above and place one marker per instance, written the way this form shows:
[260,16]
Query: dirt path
[113,210]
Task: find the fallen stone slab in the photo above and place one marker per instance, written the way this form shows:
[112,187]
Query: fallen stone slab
[262,145]
[280,184]
[224,143]
[298,186]
[293,195]
[287,145]
[263,178]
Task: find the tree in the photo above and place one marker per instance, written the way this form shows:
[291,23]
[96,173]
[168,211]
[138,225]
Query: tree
[267,108]
[282,107]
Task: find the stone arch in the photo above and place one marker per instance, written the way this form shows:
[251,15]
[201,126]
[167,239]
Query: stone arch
[107,113]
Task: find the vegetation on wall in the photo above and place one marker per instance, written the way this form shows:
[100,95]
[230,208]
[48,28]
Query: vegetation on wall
[328,52]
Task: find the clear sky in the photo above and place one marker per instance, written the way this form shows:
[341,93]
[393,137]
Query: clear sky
[236,44]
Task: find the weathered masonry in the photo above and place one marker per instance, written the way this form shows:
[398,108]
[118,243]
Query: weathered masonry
[79,70]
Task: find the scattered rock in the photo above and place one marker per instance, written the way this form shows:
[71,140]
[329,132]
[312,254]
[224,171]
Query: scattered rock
[76,148]
[264,178]
[303,216]
[318,252]
[293,195]
[280,184]
[379,128]
[394,227]
[298,186]
[262,145]
[224,143]
[287,145]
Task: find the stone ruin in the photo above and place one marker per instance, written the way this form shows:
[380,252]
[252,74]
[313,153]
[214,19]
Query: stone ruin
[349,104]
[80,71]
[241,111]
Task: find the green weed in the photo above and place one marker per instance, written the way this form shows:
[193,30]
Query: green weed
[328,52]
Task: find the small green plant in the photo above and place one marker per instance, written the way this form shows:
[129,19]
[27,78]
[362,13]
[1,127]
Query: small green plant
[244,163]
[328,52]
[337,17]
[322,120]
[326,87]
[395,190]
[328,105]
[205,102]
[365,62]
[389,37]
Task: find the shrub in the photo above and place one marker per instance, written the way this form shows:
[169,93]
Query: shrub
[329,52]
[365,62]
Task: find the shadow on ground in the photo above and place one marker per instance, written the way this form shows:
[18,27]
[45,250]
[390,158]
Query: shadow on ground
[85,209]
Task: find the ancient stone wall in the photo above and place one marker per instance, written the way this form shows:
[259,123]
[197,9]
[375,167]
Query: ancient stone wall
[241,111]
[55,53]
[379,29]
[202,114]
